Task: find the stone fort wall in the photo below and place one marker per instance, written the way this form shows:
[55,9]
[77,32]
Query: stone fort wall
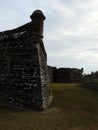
[23,66]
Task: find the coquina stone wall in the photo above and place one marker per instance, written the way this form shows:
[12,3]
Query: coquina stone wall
[23,66]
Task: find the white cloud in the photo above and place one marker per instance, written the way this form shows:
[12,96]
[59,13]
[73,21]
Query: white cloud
[70,33]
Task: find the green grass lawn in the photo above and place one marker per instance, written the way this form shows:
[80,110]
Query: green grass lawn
[73,108]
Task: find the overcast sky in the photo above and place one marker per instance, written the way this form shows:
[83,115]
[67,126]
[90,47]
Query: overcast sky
[70,29]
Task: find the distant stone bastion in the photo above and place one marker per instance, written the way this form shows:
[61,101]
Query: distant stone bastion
[65,75]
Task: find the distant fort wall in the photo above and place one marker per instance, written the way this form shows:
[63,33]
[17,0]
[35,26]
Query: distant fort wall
[65,75]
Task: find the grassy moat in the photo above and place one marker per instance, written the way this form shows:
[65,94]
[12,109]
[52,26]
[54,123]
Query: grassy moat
[73,108]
